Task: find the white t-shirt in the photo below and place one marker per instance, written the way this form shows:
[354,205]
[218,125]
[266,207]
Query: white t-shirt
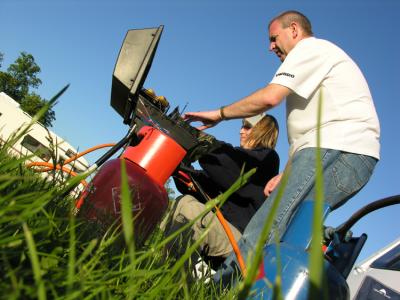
[349,121]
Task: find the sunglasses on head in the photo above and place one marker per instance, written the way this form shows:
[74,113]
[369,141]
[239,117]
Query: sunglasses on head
[246,125]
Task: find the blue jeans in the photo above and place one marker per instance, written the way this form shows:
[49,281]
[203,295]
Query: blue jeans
[344,175]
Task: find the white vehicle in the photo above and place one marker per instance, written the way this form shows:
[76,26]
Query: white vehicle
[378,277]
[37,142]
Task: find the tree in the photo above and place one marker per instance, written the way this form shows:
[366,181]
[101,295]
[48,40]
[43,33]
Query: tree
[25,71]
[20,77]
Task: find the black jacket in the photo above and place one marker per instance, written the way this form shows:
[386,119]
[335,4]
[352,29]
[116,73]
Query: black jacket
[222,167]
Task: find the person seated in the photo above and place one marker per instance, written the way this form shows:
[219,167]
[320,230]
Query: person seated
[220,169]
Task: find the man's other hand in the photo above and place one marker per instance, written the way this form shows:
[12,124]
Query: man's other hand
[271,184]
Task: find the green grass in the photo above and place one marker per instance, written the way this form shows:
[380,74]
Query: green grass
[47,252]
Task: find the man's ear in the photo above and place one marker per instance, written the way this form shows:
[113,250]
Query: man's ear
[294,27]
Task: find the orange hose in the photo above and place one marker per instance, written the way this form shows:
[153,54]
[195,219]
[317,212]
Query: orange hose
[232,240]
[88,151]
[50,166]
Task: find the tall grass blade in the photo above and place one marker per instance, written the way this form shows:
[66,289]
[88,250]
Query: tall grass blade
[316,255]
[127,222]
[277,291]
[126,213]
[49,104]
[72,250]
[33,255]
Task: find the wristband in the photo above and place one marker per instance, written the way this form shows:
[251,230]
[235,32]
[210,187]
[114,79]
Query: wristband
[221,113]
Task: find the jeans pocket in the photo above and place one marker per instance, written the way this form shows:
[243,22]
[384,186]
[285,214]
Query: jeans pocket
[352,171]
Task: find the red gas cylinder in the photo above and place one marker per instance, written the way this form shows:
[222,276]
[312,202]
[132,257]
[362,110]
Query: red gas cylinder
[148,166]
[157,153]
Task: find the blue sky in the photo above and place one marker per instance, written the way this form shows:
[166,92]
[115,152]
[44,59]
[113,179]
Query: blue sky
[211,53]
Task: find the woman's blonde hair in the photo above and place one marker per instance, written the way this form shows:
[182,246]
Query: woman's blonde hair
[264,133]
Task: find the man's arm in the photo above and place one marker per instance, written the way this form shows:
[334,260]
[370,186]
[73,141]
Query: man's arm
[256,103]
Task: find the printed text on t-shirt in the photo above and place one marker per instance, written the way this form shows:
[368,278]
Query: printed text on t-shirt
[284,74]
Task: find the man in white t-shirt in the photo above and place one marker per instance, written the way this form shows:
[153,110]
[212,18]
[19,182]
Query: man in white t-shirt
[313,71]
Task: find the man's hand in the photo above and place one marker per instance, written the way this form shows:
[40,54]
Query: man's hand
[271,184]
[208,118]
